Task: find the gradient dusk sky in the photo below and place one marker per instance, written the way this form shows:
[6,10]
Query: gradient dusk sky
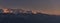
[47,6]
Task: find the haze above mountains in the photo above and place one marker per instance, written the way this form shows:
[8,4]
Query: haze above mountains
[45,6]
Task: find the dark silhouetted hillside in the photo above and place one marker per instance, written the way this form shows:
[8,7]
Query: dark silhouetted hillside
[28,18]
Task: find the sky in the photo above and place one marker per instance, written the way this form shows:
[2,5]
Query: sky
[29,4]
[47,6]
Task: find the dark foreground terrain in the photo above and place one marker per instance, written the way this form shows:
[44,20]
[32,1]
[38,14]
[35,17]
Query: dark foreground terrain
[29,18]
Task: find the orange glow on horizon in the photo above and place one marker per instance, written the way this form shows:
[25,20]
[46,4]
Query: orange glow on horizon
[53,12]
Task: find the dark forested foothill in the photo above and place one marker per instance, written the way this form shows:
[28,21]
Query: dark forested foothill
[28,18]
